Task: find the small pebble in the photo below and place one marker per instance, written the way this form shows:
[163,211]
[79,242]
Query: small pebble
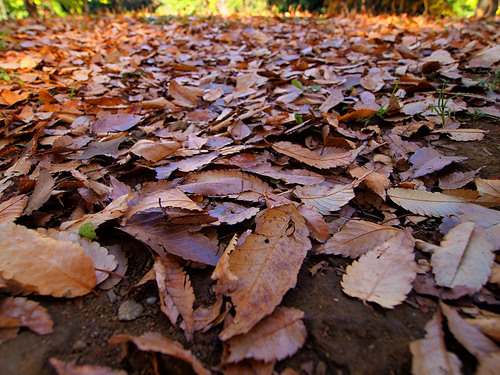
[151,300]
[112,296]
[79,345]
[129,310]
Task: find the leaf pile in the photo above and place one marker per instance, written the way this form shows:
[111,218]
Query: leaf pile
[285,134]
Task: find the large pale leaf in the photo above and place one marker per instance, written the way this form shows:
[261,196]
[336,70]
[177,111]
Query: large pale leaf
[425,203]
[44,265]
[268,260]
[489,191]
[356,238]
[464,258]
[176,293]
[154,151]
[277,336]
[430,356]
[428,160]
[290,176]
[325,199]
[155,342]
[385,274]
[326,159]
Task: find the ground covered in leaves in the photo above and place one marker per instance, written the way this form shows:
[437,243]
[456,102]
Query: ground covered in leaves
[243,196]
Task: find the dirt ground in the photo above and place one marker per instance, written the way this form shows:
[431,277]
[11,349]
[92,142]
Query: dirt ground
[344,335]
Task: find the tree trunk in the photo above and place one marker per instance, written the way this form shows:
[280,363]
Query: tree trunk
[31,8]
[486,8]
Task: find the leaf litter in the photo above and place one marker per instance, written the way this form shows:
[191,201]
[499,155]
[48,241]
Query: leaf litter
[231,148]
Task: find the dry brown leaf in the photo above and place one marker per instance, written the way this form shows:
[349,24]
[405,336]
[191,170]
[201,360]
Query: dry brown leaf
[456,180]
[335,97]
[315,222]
[249,367]
[481,347]
[290,176]
[430,355]
[227,281]
[176,292]
[242,186]
[356,238]
[489,191]
[99,255]
[326,159]
[376,182]
[66,368]
[167,197]
[464,135]
[25,313]
[184,96]
[12,208]
[153,341]
[115,123]
[186,165]
[269,259]
[489,325]
[232,213]
[112,211]
[43,265]
[204,316]
[326,199]
[154,151]
[428,160]
[178,240]
[276,337]
[464,258]
[385,274]
[41,194]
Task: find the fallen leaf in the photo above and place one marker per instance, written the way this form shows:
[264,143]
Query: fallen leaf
[67,368]
[290,176]
[315,222]
[99,255]
[489,325]
[249,367]
[376,182]
[241,185]
[357,115]
[430,355]
[43,265]
[489,191]
[176,293]
[154,151]
[385,274]
[22,312]
[184,96]
[166,197]
[12,208]
[456,180]
[186,165]
[425,203]
[428,160]
[227,280]
[204,316]
[463,135]
[177,240]
[464,258]
[115,123]
[328,158]
[269,259]
[153,341]
[326,199]
[276,337]
[41,193]
[356,238]
[232,213]
[481,347]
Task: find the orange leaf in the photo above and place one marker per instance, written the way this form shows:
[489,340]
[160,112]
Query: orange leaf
[357,115]
[43,265]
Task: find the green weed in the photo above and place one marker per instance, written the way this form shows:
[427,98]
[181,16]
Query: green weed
[441,109]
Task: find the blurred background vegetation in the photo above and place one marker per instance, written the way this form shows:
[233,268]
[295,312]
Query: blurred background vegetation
[49,8]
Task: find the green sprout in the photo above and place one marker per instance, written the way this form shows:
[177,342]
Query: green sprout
[298,119]
[87,231]
[298,84]
[441,109]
